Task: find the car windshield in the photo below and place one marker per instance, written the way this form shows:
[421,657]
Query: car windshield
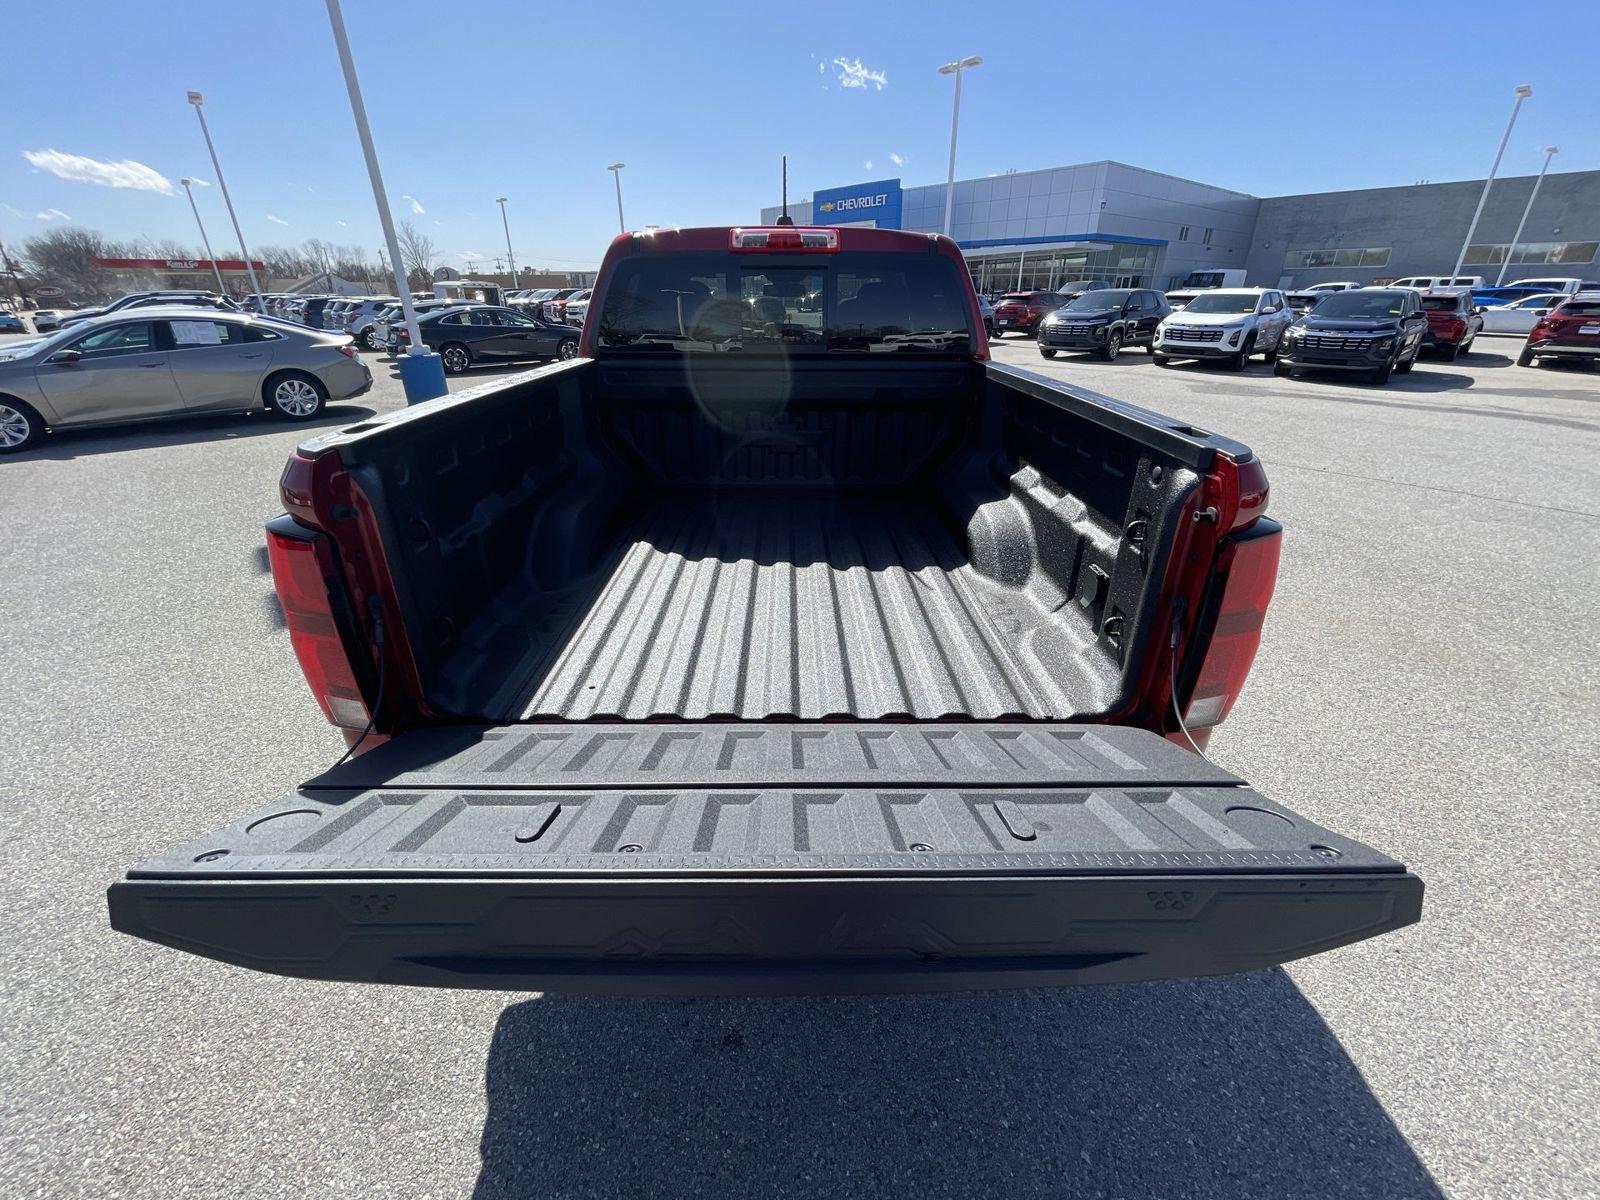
[1224,302]
[1580,308]
[1360,305]
[1098,301]
[721,302]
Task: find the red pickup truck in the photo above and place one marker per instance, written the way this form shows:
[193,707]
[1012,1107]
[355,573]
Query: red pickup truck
[781,642]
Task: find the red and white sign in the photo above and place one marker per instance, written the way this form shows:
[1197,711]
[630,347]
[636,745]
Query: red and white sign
[175,264]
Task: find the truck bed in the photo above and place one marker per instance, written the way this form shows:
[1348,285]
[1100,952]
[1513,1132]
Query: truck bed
[593,542]
[750,604]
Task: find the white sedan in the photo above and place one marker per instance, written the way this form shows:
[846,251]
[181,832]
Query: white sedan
[1521,316]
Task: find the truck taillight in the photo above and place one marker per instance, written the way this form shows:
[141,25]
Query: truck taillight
[785,238]
[301,566]
[1249,561]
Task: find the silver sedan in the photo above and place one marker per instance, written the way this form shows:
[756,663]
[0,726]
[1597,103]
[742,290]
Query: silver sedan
[170,362]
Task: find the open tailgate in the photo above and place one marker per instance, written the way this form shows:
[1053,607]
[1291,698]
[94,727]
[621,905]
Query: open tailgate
[746,858]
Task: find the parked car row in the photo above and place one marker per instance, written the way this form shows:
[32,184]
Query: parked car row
[559,306]
[1377,332]
[45,320]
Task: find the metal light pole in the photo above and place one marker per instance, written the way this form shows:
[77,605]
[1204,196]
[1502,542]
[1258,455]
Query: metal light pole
[510,258]
[1523,92]
[196,99]
[188,186]
[954,68]
[616,174]
[425,379]
[1549,153]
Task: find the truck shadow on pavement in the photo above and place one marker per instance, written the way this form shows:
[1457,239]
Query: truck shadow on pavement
[1229,1088]
[218,427]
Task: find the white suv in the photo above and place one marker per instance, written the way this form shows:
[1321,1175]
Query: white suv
[1229,324]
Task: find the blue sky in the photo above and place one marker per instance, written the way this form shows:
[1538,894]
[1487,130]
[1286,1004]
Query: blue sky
[475,100]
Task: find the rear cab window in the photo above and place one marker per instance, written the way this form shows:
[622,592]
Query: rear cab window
[707,302]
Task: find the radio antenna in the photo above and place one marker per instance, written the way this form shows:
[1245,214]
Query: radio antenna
[785,218]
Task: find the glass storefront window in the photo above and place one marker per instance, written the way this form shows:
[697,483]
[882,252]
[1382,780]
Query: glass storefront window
[1349,256]
[1047,270]
[1533,252]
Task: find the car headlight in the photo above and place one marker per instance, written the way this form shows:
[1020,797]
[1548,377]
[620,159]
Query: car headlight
[1386,344]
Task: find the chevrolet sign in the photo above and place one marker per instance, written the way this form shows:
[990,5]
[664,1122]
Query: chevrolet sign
[864,203]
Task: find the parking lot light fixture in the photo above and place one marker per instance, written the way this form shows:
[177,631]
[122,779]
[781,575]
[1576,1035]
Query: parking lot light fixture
[188,187]
[421,371]
[196,99]
[511,260]
[1523,91]
[616,174]
[955,68]
[1549,153]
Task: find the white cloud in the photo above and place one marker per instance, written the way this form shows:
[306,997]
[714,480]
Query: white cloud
[867,164]
[15,211]
[822,68]
[124,174]
[51,214]
[276,220]
[470,255]
[342,224]
[198,182]
[896,159]
[853,75]
[416,205]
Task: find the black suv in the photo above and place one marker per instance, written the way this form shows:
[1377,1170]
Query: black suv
[1104,322]
[1374,330]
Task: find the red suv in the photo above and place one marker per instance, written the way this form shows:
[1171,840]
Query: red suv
[1454,321]
[1022,311]
[1571,330]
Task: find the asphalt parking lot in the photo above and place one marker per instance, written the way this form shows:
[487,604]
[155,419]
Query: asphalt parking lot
[1427,684]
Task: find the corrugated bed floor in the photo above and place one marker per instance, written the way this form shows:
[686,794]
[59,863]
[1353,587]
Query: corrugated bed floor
[755,605]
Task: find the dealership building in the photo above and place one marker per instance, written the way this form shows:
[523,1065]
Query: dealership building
[1134,227]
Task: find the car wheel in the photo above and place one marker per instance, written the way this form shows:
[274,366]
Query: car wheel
[20,426]
[1161,360]
[1113,346]
[368,342]
[567,349]
[1380,375]
[1045,352]
[1448,353]
[1281,369]
[296,396]
[1466,346]
[457,358]
[1404,368]
[1236,362]
[1525,359]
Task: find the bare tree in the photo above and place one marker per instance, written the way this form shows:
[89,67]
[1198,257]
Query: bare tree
[419,254]
[64,258]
